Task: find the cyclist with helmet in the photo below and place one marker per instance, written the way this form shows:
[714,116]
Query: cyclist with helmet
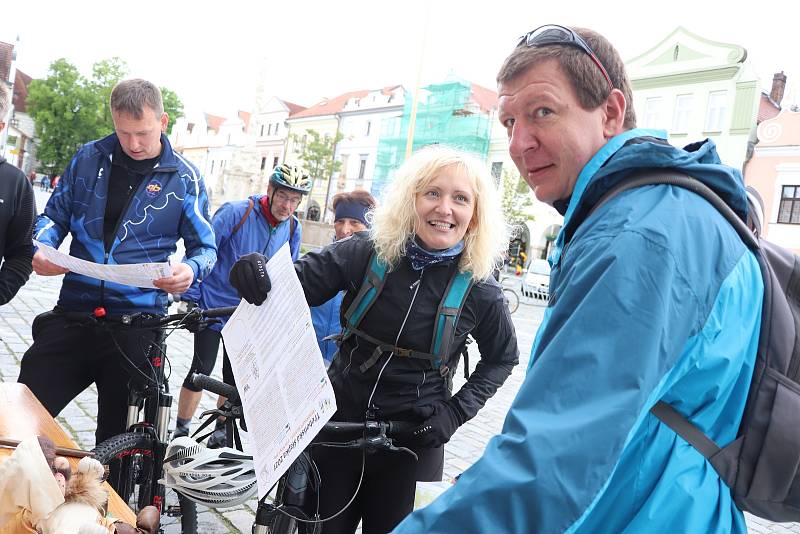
[439,221]
[262,223]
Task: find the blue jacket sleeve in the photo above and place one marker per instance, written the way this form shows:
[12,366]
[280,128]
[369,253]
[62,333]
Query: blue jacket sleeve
[196,230]
[622,316]
[53,225]
[222,222]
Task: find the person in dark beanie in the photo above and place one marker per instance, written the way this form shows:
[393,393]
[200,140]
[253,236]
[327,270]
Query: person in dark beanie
[350,211]
[17,209]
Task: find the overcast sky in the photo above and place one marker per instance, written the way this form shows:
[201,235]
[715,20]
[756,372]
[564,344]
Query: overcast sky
[214,53]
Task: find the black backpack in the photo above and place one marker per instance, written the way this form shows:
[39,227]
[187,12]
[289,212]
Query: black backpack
[762,465]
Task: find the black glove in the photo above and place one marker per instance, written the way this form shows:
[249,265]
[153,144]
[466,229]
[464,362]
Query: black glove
[442,420]
[249,276]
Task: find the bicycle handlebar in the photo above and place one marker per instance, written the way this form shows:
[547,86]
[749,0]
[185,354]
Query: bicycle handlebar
[214,386]
[146,320]
[392,428]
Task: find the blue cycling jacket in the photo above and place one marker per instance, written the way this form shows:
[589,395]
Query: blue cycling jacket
[255,235]
[656,297]
[170,204]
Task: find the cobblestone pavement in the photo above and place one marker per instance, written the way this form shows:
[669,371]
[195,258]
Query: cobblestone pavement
[79,417]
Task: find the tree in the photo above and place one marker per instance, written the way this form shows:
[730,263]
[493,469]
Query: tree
[173,106]
[64,108]
[70,109]
[106,74]
[516,197]
[316,153]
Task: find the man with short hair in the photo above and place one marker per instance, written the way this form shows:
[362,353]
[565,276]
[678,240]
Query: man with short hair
[124,199]
[653,296]
[262,223]
[17,209]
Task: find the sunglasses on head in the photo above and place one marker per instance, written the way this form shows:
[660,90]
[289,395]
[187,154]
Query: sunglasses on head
[553,34]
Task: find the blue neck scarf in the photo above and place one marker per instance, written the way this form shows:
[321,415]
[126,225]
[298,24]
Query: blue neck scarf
[421,257]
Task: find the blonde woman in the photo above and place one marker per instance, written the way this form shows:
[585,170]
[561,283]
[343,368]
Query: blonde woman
[441,215]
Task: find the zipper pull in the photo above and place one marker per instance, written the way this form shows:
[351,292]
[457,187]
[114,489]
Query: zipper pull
[413,286]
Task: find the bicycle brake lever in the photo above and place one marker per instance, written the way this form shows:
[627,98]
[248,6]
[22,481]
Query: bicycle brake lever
[216,412]
[403,449]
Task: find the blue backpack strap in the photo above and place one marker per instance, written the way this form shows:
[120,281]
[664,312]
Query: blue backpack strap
[367,294]
[447,316]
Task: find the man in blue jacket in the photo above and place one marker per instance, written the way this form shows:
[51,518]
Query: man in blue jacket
[123,199]
[655,298]
[262,223]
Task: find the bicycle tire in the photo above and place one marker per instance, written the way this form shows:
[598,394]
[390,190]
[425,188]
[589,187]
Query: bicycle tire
[511,298]
[128,451]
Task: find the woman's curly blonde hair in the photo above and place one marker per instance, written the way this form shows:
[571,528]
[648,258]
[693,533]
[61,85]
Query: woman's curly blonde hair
[394,220]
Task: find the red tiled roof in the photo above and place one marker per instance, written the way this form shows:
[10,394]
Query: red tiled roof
[767,108]
[389,89]
[21,83]
[329,106]
[6,51]
[293,108]
[485,98]
[245,116]
[214,122]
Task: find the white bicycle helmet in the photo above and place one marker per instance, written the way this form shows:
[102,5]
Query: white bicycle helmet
[217,478]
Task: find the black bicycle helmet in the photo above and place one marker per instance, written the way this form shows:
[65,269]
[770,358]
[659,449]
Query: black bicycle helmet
[291,177]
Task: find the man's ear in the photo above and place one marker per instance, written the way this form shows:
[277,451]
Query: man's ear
[614,108]
[164,122]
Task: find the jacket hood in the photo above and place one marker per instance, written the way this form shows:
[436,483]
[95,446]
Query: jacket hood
[699,160]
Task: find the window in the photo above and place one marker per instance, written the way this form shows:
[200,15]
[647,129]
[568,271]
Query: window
[683,110]
[262,131]
[362,167]
[274,162]
[275,130]
[212,167]
[653,112]
[789,211]
[715,114]
[269,130]
[497,171]
[263,163]
[369,125]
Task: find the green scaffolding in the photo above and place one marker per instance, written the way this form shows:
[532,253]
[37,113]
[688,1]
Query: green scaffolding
[445,115]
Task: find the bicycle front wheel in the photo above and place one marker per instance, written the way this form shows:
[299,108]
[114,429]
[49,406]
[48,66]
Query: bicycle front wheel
[132,471]
[512,299]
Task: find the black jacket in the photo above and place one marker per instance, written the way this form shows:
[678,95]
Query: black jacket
[17,209]
[407,382]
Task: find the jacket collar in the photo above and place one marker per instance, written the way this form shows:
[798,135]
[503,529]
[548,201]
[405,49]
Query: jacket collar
[167,163]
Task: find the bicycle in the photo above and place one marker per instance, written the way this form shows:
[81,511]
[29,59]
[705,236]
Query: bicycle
[285,514]
[135,458]
[511,298]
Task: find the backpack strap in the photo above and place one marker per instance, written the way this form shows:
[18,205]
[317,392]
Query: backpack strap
[244,217]
[681,426]
[367,294]
[447,316]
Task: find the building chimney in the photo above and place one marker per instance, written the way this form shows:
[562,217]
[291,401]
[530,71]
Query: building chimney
[778,86]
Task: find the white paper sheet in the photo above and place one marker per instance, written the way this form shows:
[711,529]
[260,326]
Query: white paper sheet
[134,274]
[279,370]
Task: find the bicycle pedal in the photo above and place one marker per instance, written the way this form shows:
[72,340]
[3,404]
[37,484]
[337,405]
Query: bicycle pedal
[173,511]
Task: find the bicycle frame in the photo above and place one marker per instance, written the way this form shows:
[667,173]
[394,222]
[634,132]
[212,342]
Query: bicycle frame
[153,403]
